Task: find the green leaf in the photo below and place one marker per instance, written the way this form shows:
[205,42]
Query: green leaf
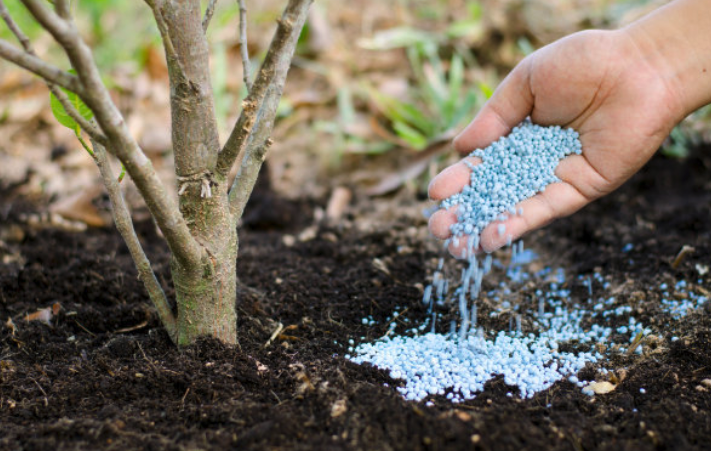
[485,89]
[410,135]
[525,46]
[346,110]
[465,110]
[61,114]
[397,111]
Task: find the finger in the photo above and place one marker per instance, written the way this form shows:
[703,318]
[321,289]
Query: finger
[508,106]
[441,222]
[556,201]
[452,179]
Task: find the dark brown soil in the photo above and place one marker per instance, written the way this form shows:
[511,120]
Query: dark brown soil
[105,376]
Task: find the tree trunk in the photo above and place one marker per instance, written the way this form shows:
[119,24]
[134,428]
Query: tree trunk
[206,294]
[206,298]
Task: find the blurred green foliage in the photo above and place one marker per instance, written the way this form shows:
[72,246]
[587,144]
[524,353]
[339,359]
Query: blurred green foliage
[441,100]
[117,30]
[688,134]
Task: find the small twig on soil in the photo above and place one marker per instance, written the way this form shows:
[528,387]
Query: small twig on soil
[182,401]
[46,402]
[685,250]
[132,328]
[635,343]
[274,335]
[85,329]
[155,369]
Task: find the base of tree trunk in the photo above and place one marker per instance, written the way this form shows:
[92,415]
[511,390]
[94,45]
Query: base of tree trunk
[206,299]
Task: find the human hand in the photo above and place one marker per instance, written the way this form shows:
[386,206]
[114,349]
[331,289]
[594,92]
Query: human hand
[598,82]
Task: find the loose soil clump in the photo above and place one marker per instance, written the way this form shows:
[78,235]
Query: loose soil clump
[103,374]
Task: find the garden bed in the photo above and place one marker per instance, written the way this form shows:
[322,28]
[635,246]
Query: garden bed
[103,374]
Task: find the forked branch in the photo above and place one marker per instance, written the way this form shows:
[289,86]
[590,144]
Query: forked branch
[93,92]
[121,214]
[271,78]
[259,142]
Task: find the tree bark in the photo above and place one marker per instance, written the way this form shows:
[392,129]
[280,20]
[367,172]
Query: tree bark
[194,124]
[206,296]
[205,291]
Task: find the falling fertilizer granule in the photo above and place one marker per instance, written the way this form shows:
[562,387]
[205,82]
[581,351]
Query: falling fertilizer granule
[457,364]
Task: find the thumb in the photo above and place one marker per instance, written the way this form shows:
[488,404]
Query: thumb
[508,106]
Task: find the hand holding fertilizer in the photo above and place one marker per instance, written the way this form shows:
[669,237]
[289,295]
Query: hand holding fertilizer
[509,171]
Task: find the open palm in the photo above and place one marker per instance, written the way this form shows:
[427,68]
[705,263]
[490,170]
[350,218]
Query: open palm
[596,82]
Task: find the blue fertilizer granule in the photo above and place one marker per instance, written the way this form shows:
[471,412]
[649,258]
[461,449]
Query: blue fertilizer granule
[514,168]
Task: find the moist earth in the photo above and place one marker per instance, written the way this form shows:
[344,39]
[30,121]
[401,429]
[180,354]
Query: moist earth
[104,375]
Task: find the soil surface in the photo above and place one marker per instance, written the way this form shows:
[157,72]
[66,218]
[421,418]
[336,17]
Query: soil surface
[102,374]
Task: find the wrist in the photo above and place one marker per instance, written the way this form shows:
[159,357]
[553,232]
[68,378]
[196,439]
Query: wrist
[675,41]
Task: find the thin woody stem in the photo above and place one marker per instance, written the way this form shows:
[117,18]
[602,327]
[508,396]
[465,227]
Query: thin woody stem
[88,127]
[275,64]
[208,15]
[246,179]
[62,8]
[15,29]
[124,224]
[259,142]
[243,49]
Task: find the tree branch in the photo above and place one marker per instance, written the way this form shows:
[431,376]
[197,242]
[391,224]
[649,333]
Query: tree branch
[40,68]
[272,75]
[85,125]
[243,49]
[124,224]
[62,8]
[88,127]
[246,179]
[170,53]
[15,29]
[163,208]
[208,15]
